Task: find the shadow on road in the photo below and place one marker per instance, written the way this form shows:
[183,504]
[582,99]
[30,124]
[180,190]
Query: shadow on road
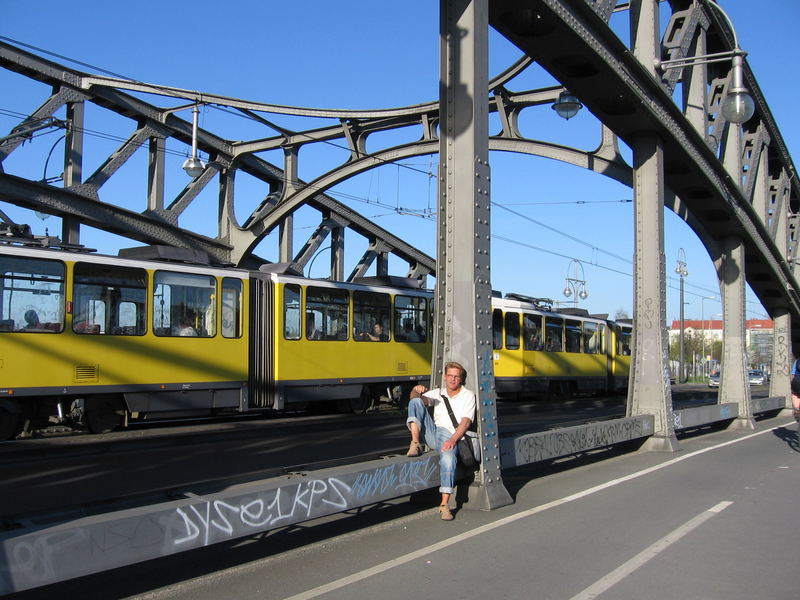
[790,436]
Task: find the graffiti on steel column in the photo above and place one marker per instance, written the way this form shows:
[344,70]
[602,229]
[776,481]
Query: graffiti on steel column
[542,446]
[780,346]
[649,313]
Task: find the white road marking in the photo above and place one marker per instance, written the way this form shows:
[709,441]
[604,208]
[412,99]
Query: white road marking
[621,572]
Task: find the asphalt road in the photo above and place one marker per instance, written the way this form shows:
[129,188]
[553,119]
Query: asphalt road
[718,519]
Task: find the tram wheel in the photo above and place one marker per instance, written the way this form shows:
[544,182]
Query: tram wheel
[361,404]
[102,414]
[10,422]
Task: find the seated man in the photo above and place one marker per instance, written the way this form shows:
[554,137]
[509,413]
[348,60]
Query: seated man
[438,431]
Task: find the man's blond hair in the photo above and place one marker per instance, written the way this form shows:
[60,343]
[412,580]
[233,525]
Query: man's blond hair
[454,365]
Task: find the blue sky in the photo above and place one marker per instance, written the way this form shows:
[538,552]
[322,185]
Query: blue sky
[359,54]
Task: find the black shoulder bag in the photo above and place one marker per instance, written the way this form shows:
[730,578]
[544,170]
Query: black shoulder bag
[466,453]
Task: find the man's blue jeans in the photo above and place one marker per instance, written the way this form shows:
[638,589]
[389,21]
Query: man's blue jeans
[434,437]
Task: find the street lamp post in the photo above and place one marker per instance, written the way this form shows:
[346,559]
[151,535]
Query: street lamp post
[576,287]
[682,271]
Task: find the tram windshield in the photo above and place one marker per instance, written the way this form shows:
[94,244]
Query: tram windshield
[31,295]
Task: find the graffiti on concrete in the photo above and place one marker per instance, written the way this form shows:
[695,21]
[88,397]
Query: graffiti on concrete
[210,519]
[398,478]
[569,440]
[44,555]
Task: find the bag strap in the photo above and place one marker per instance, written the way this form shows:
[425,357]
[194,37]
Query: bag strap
[449,410]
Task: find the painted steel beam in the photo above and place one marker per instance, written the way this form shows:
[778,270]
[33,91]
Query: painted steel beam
[137,226]
[463,322]
[568,39]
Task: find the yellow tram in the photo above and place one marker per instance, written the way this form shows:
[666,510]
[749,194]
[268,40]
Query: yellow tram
[556,354]
[103,340]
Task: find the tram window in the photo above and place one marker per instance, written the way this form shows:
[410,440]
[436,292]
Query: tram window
[328,310]
[291,311]
[554,332]
[109,300]
[410,322]
[592,338]
[183,304]
[512,331]
[31,295]
[624,341]
[231,312]
[532,332]
[497,329]
[572,335]
[371,313]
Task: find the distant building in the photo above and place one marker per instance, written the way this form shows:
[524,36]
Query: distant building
[758,335]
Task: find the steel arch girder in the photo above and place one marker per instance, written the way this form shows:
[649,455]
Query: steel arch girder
[244,239]
[137,226]
[598,161]
[591,61]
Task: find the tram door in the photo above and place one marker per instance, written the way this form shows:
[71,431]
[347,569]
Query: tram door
[262,377]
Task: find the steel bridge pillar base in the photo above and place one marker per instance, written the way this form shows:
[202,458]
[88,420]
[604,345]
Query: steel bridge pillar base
[661,443]
[488,496]
[744,423]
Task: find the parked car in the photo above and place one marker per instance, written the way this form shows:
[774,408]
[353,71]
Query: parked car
[713,380]
[757,377]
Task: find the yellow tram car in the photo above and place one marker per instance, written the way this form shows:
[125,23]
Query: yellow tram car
[540,352]
[103,340]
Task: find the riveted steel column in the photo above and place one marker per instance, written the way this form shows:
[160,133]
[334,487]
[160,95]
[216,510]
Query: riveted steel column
[337,254]
[155,174]
[780,378]
[760,197]
[695,86]
[225,212]
[286,228]
[73,166]
[734,386]
[649,390]
[463,324]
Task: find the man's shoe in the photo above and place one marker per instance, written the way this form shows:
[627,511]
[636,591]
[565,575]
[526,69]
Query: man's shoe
[415,449]
[444,513]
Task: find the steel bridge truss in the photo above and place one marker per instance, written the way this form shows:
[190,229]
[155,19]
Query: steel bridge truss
[765,205]
[734,185]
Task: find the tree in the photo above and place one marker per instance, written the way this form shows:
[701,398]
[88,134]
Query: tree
[621,314]
[692,344]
